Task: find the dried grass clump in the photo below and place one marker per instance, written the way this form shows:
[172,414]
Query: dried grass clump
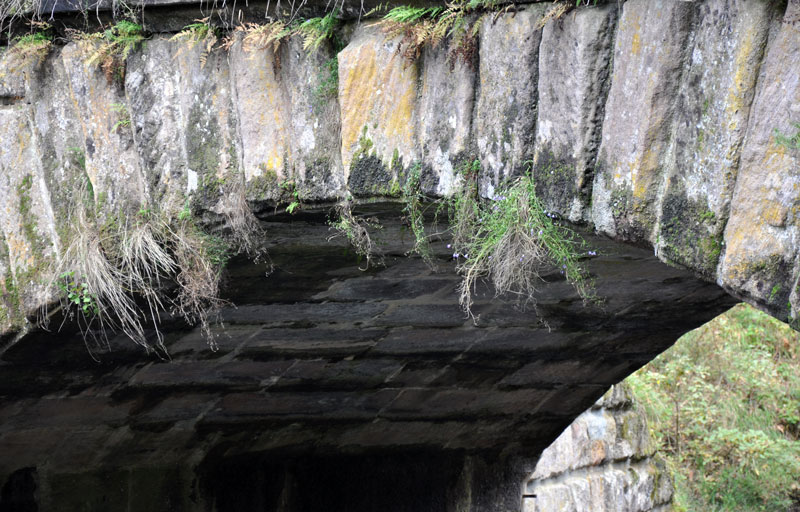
[245,231]
[119,276]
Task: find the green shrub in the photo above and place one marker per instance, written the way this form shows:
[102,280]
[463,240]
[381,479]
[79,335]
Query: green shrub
[723,405]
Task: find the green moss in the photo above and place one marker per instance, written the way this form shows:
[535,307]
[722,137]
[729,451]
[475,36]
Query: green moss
[202,141]
[690,234]
[264,186]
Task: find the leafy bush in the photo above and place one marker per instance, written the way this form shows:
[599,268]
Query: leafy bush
[723,404]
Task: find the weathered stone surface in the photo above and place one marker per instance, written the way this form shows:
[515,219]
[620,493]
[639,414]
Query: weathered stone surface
[505,110]
[446,102]
[183,119]
[710,123]
[651,45]
[763,234]
[263,108]
[26,220]
[574,61]
[602,462]
[378,101]
[287,125]
[111,159]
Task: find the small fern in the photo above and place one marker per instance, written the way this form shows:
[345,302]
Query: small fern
[115,45]
[200,31]
[316,31]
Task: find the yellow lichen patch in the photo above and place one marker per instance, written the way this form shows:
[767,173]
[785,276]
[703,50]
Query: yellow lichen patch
[377,89]
[636,45]
[742,77]
[357,71]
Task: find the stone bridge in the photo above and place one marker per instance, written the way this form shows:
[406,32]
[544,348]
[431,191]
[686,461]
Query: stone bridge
[654,124]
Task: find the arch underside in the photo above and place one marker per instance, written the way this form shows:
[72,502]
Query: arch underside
[326,373]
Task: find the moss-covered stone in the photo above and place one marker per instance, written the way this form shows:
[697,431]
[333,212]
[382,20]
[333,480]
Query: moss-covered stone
[690,234]
[202,142]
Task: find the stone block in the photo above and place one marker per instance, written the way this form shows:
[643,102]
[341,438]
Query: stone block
[422,342]
[247,408]
[505,112]
[378,101]
[338,375]
[111,160]
[760,260]
[311,342]
[710,121]
[444,118]
[574,62]
[651,45]
[424,316]
[244,375]
[302,314]
[440,404]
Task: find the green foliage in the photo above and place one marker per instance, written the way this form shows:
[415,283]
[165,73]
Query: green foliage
[123,116]
[789,141]
[316,31]
[328,83]
[201,31]
[77,293]
[289,193]
[723,405]
[112,48]
[33,46]
[418,27]
[413,199]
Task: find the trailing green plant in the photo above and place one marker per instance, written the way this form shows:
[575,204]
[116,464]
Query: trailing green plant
[414,200]
[356,230]
[199,32]
[316,31]
[789,141]
[512,242]
[722,405]
[112,47]
[328,86]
